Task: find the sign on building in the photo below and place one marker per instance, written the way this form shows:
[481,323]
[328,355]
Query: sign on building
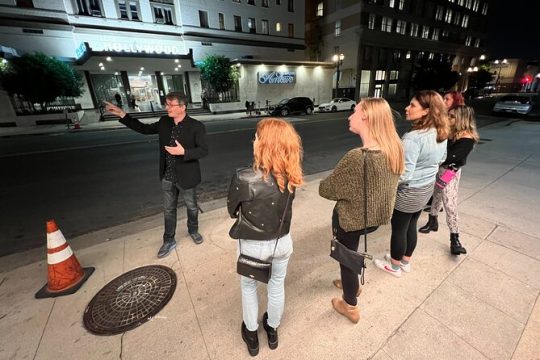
[276,77]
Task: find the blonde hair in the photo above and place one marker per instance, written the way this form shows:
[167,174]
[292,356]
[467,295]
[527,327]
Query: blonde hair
[437,116]
[383,130]
[464,123]
[278,150]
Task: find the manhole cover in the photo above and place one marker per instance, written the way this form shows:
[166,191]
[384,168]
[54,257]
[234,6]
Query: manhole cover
[130,300]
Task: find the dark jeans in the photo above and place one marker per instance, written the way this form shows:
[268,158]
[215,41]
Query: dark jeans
[351,239]
[404,234]
[170,204]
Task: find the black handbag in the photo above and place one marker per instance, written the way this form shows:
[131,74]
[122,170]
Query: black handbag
[356,261]
[257,269]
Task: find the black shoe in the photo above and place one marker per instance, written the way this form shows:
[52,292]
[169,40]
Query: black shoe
[251,339]
[455,246]
[271,332]
[432,225]
[197,238]
[166,248]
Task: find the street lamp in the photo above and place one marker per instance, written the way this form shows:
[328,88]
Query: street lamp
[500,65]
[338,60]
[471,73]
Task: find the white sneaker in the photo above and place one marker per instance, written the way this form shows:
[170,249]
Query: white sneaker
[406,268]
[385,265]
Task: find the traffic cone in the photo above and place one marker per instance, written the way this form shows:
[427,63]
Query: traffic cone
[65,274]
[77,124]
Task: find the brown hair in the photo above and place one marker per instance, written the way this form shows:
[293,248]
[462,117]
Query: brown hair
[437,115]
[383,130]
[178,96]
[464,123]
[277,149]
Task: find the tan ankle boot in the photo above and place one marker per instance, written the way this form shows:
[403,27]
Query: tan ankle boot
[350,312]
[337,283]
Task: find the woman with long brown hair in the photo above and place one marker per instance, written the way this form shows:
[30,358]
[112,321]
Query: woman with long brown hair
[425,149]
[381,156]
[259,197]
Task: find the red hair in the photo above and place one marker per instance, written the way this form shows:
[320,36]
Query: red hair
[457,98]
[277,150]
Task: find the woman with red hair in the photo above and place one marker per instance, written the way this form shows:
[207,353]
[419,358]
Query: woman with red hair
[259,198]
[453,99]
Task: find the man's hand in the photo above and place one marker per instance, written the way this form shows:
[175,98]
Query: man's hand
[175,150]
[113,109]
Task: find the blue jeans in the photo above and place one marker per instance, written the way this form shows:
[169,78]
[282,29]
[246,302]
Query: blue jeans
[170,204]
[276,286]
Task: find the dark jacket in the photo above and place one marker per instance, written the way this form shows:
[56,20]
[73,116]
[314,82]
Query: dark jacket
[192,138]
[258,206]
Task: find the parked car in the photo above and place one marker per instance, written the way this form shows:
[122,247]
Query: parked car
[298,104]
[338,104]
[524,104]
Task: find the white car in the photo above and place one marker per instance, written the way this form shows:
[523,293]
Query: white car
[338,104]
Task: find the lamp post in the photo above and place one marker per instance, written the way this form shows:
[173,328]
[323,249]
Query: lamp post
[471,73]
[500,65]
[338,60]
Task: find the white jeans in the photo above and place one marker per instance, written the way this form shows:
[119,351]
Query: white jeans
[276,286]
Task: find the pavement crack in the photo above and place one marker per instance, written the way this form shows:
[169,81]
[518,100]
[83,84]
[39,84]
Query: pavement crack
[121,345]
[44,328]
[2,281]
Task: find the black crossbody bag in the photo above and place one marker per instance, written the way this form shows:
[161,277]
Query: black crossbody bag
[257,269]
[352,259]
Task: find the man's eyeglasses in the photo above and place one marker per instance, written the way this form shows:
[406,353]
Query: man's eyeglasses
[172,105]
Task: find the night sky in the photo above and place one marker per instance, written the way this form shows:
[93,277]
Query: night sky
[514,29]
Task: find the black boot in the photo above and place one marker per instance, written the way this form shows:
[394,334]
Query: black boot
[432,225]
[251,339]
[271,332]
[455,245]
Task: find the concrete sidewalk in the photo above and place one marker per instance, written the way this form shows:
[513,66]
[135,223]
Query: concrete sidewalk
[480,306]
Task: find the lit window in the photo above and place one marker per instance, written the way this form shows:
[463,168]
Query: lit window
[477,43]
[264,26]
[425,32]
[408,55]
[435,34]
[445,33]
[221,18]
[252,26]
[394,74]
[476,5]
[485,8]
[451,1]
[468,4]
[371,21]
[320,9]
[461,2]
[337,28]
[203,18]
[400,27]
[386,24]
[380,75]
[457,19]
[163,14]
[392,3]
[439,13]
[468,40]
[414,29]
[431,56]
[278,27]
[448,16]
[401,4]
[264,3]
[465,21]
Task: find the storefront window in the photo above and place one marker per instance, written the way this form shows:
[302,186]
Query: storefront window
[107,86]
[145,90]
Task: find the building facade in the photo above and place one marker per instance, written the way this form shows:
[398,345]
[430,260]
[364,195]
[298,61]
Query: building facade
[382,41]
[141,49]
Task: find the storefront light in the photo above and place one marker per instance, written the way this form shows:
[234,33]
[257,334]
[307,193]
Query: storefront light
[176,61]
[175,69]
[102,68]
[108,58]
[142,68]
[100,64]
[162,73]
[116,73]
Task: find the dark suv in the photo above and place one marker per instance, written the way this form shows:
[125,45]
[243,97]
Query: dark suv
[298,104]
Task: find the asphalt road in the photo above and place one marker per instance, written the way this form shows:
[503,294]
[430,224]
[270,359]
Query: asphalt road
[93,180]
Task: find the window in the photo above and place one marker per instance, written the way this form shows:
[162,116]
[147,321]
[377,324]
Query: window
[408,55]
[25,4]
[264,27]
[468,4]
[221,19]
[251,2]
[128,9]
[461,2]
[252,26]
[477,43]
[391,3]
[163,14]
[457,19]
[380,75]
[465,21]
[468,40]
[320,9]
[445,33]
[394,74]
[414,29]
[291,30]
[337,29]
[400,27]
[365,77]
[237,23]
[435,34]
[278,27]
[425,32]
[485,8]
[448,16]
[371,21]
[439,13]
[451,1]
[386,24]
[476,5]
[431,56]
[236,1]
[401,4]
[89,7]
[264,3]
[203,19]
[278,2]
[290,6]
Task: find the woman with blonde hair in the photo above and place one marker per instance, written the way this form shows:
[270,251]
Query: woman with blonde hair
[463,137]
[381,157]
[259,198]
[425,149]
